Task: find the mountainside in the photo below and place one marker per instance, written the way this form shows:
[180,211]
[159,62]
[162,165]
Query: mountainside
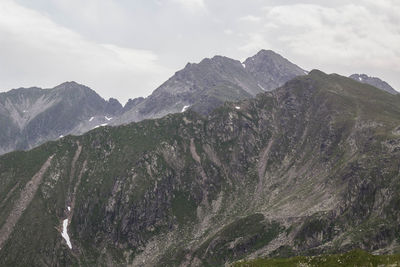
[309,168]
[204,86]
[271,70]
[374,81]
[32,116]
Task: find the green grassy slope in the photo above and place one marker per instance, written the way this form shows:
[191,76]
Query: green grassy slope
[357,258]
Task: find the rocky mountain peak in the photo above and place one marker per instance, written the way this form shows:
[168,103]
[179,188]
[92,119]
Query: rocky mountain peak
[271,69]
[266,53]
[211,66]
[374,81]
[72,108]
[33,116]
[69,85]
[113,107]
[317,73]
[208,84]
[132,103]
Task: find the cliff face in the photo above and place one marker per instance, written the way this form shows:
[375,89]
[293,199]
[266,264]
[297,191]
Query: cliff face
[204,86]
[271,70]
[32,116]
[374,81]
[309,168]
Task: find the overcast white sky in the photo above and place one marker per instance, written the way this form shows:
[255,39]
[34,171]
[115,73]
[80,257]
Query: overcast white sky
[127,48]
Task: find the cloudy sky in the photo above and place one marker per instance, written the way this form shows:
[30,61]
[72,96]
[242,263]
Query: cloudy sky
[127,48]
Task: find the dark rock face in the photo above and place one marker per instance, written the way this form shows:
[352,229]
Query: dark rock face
[309,168]
[378,83]
[32,116]
[131,103]
[205,86]
[271,70]
[113,107]
[208,84]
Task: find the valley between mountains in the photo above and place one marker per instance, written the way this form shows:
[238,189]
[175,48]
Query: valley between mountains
[309,168]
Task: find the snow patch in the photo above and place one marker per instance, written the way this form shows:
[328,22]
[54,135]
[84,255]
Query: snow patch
[360,79]
[69,208]
[259,85]
[65,235]
[185,108]
[306,72]
[237,107]
[61,136]
[91,118]
[107,118]
[97,126]
[244,65]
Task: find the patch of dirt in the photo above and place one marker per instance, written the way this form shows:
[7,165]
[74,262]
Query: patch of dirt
[23,202]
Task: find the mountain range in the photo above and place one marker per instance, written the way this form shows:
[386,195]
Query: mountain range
[374,81]
[226,161]
[309,168]
[32,116]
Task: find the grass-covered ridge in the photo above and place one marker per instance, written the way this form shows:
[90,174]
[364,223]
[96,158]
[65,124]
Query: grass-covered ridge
[356,258]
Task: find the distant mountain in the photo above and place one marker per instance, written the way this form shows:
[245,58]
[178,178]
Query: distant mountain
[31,116]
[204,86]
[271,70]
[308,169]
[374,81]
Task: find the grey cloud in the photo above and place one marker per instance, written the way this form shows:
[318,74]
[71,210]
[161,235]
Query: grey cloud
[127,48]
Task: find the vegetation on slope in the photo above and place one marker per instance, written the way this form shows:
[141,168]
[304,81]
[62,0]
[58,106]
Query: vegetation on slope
[356,258]
[308,169]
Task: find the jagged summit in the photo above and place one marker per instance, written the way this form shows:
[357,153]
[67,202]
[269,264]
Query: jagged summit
[69,84]
[199,86]
[32,116]
[374,81]
[271,70]
[266,53]
[316,72]
[74,88]
[208,84]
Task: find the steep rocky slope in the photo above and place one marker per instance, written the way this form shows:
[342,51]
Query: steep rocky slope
[32,116]
[374,81]
[271,70]
[306,169]
[204,86]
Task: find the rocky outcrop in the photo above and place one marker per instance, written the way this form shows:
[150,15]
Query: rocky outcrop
[374,81]
[32,116]
[204,86]
[271,70]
